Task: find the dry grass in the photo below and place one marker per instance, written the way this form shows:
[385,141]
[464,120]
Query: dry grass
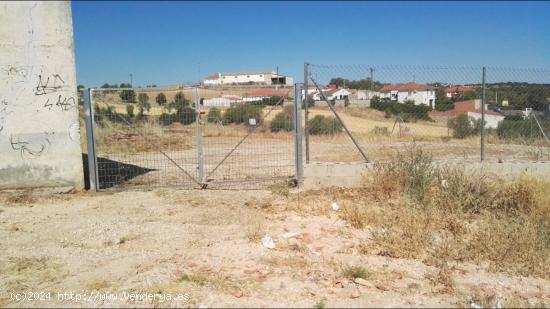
[440,214]
[24,197]
[353,272]
[28,273]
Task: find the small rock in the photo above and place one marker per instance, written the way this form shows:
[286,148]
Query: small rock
[355,294]
[290,235]
[382,286]
[362,282]
[236,292]
[306,238]
[334,206]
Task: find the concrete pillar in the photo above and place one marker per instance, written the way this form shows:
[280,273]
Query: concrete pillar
[39,121]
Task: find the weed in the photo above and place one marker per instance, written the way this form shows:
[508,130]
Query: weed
[353,272]
[280,188]
[197,279]
[320,304]
[127,238]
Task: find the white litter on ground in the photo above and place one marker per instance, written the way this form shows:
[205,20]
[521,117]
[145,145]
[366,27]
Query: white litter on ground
[334,206]
[267,242]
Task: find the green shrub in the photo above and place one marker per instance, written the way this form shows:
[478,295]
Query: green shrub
[464,126]
[380,131]
[445,106]
[128,96]
[320,125]
[167,119]
[524,128]
[407,110]
[214,115]
[283,121]
[130,111]
[186,115]
[242,113]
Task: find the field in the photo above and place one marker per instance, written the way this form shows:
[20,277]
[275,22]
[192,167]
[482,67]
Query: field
[390,242]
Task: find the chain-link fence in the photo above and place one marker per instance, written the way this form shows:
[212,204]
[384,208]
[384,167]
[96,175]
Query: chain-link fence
[189,137]
[386,108]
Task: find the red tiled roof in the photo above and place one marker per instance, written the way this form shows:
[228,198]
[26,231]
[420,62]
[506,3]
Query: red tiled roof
[269,93]
[462,107]
[455,89]
[406,87]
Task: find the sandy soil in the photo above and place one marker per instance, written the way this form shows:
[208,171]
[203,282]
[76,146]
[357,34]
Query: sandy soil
[206,246]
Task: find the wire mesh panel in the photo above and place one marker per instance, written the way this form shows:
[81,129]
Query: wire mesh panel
[518,115]
[439,108]
[247,135]
[145,137]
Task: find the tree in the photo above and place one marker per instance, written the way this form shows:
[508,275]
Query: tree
[464,126]
[180,101]
[143,103]
[130,111]
[214,115]
[161,99]
[124,85]
[128,96]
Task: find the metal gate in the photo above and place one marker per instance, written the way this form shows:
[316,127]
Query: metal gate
[190,137]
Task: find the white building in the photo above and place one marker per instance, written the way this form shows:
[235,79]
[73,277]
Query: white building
[248,78]
[366,94]
[332,94]
[223,101]
[419,93]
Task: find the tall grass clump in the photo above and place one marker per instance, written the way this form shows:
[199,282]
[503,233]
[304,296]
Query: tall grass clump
[448,213]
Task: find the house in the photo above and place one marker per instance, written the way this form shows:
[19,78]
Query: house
[472,108]
[418,93]
[248,78]
[366,94]
[227,100]
[332,92]
[453,91]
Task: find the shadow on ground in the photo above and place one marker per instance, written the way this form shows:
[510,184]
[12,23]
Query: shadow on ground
[112,173]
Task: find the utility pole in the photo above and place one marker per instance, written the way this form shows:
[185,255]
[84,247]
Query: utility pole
[371,78]
[483,98]
[131,80]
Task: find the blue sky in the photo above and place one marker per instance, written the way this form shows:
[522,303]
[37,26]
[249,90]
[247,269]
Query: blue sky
[167,43]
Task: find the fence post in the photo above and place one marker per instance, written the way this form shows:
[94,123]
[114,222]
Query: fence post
[483,99]
[198,136]
[298,135]
[306,112]
[90,138]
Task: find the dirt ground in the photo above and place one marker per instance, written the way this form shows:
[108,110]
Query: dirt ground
[205,248]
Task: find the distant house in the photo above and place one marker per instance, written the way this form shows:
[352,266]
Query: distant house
[247,78]
[472,108]
[223,101]
[418,93]
[453,91]
[366,94]
[332,92]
